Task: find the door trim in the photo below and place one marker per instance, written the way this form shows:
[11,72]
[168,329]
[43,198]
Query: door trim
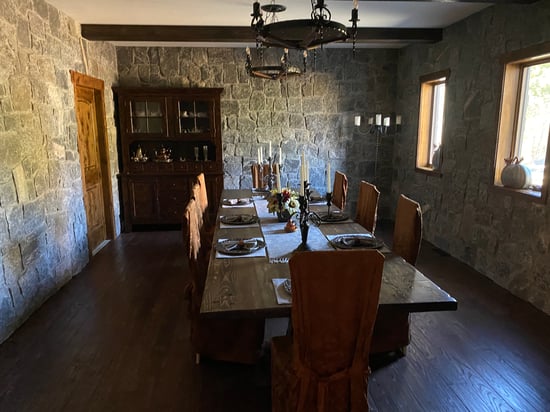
[98,87]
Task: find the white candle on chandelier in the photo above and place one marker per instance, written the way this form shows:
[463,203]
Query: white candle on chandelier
[355,4]
[398,119]
[302,173]
[259,160]
[378,120]
[261,154]
[270,150]
[280,157]
[248,51]
[278,174]
[386,121]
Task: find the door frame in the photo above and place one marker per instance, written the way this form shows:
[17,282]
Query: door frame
[98,87]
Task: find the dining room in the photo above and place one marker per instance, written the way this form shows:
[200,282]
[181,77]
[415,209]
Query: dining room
[473,304]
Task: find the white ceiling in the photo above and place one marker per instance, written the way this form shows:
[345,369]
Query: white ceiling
[393,14]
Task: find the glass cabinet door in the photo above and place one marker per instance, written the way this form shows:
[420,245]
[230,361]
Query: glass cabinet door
[195,118]
[147,116]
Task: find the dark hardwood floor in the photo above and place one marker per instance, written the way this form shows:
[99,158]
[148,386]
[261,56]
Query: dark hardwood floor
[116,339]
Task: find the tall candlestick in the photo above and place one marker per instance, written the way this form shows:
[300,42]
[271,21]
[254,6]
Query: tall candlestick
[280,157]
[329,184]
[261,154]
[302,173]
[259,159]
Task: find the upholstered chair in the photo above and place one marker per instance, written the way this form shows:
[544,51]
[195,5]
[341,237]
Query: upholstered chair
[324,365]
[367,205]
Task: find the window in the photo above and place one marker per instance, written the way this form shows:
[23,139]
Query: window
[524,126]
[430,121]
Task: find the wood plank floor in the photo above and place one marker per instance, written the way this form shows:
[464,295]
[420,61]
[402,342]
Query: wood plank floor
[116,339]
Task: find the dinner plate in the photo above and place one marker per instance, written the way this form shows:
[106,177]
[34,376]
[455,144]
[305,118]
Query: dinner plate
[334,216]
[239,219]
[237,202]
[239,246]
[287,286]
[365,241]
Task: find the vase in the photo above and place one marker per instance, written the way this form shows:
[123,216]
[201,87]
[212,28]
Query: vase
[283,216]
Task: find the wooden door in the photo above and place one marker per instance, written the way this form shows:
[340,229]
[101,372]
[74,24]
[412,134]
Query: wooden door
[93,151]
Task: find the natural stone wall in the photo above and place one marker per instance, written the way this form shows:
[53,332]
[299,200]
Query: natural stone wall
[42,218]
[505,237]
[312,113]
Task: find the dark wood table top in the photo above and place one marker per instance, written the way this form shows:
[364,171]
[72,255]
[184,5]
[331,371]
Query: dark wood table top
[239,287]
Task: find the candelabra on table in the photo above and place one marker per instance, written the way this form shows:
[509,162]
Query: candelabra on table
[270,179]
[306,216]
[328,198]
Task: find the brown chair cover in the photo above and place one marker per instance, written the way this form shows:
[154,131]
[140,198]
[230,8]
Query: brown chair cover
[367,205]
[340,190]
[407,233]
[324,366]
[203,195]
[392,328]
[232,340]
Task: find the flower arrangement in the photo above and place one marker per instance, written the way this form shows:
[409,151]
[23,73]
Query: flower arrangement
[284,201]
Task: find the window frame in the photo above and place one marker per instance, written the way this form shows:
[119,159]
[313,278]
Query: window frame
[428,83]
[509,115]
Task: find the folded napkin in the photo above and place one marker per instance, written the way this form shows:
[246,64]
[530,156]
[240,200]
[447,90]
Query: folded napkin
[283,298]
[258,253]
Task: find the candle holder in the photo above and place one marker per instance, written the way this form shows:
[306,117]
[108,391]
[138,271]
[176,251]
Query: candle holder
[328,198]
[306,216]
[270,178]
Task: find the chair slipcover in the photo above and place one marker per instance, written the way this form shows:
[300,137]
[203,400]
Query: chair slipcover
[324,366]
[367,205]
[407,233]
[392,328]
[233,340]
[340,190]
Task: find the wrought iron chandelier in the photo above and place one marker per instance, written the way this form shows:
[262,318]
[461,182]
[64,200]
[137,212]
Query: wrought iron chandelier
[304,34]
[274,72]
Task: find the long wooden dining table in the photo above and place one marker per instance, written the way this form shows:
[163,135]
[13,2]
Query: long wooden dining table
[242,286]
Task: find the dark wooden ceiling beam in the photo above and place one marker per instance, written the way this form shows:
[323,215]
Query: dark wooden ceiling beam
[230,34]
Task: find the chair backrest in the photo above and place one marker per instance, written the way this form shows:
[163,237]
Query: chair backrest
[407,233]
[192,225]
[367,205]
[334,305]
[340,190]
[203,194]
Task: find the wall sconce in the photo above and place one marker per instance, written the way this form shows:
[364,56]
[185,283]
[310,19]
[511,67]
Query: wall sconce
[380,123]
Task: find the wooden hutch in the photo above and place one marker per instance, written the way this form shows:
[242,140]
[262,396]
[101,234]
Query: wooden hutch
[166,138]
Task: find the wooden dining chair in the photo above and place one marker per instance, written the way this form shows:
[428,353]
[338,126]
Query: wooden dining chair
[324,365]
[367,205]
[231,340]
[407,233]
[339,190]
[392,328]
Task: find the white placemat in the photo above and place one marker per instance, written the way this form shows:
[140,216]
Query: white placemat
[259,253]
[283,298]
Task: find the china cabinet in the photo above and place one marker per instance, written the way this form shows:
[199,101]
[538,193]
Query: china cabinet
[166,136]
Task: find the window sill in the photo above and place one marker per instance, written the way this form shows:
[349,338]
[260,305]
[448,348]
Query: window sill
[526,194]
[429,171]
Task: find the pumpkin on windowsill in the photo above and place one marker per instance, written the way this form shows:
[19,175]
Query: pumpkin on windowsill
[515,175]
